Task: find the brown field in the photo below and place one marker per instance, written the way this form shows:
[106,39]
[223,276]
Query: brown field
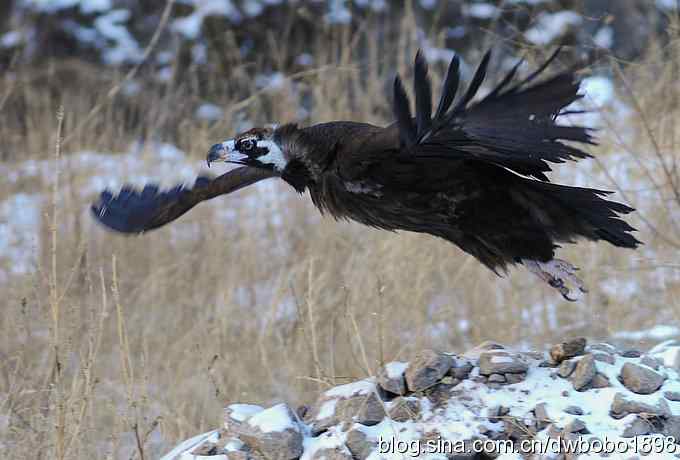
[115,347]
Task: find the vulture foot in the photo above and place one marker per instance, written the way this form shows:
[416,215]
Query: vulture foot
[559,274]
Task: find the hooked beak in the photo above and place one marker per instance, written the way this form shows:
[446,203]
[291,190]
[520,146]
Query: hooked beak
[224,152]
[217,152]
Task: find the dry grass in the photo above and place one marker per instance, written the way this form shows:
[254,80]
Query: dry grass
[117,347]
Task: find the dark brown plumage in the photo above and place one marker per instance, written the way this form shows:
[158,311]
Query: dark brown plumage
[473,174]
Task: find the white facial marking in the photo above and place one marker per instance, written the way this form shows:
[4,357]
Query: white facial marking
[234,155]
[274,156]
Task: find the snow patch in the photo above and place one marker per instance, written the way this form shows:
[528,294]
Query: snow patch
[395,369]
[276,418]
[361,387]
[550,26]
[242,412]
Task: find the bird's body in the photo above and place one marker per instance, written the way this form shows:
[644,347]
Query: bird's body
[472,174]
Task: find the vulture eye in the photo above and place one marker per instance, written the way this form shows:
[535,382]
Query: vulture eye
[247,144]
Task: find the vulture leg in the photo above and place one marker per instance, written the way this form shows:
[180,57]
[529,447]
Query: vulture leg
[558,274]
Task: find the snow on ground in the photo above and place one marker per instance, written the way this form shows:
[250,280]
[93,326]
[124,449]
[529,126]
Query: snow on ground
[470,410]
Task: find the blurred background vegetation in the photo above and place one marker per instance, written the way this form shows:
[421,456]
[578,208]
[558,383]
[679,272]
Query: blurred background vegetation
[114,347]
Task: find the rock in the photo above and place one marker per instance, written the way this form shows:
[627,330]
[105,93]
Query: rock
[272,432]
[515,428]
[476,352]
[568,349]
[641,379]
[439,394]
[672,396]
[359,445]
[461,371]
[636,426]
[497,378]
[515,378]
[575,426]
[364,409]
[650,361]
[566,368]
[403,409]
[671,427]
[622,406]
[332,453]
[600,381]
[583,373]
[541,414]
[574,410]
[604,357]
[391,377]
[426,370]
[497,411]
[631,354]
[237,414]
[501,362]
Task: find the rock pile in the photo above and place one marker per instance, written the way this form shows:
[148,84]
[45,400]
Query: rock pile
[442,405]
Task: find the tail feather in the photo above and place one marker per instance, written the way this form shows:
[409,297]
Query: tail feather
[583,212]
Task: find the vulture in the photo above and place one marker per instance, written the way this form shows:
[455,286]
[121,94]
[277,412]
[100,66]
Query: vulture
[471,171]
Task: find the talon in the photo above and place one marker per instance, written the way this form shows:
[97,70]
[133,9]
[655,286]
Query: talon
[559,274]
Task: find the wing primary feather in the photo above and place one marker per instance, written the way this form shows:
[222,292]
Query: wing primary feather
[402,112]
[476,82]
[449,88]
[542,67]
[422,88]
[506,80]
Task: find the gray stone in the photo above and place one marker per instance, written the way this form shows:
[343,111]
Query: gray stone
[622,406]
[275,444]
[476,352]
[672,396]
[568,349]
[566,368]
[439,394]
[364,409]
[631,354]
[461,371]
[390,379]
[515,378]
[501,362]
[584,373]
[541,414]
[650,361]
[575,426]
[515,428]
[637,426]
[427,369]
[641,379]
[574,410]
[359,445]
[403,409]
[497,378]
[671,427]
[600,381]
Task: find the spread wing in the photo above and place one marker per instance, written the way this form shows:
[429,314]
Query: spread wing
[514,126]
[138,211]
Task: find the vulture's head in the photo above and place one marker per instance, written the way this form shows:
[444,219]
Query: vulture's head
[257,148]
[272,149]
